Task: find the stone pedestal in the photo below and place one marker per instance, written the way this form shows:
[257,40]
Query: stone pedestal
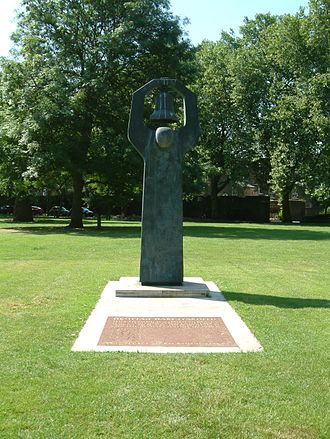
[191,287]
[182,323]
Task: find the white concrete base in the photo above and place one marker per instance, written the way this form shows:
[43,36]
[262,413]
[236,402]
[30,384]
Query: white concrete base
[213,306]
[191,287]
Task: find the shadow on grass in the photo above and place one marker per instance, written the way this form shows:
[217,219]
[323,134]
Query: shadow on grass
[130,229]
[48,227]
[279,302]
[274,232]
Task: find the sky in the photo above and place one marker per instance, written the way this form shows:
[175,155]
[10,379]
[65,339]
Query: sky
[207,17]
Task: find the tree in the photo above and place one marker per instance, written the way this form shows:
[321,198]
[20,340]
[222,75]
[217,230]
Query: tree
[218,117]
[298,117]
[251,84]
[231,86]
[85,58]
[317,35]
[279,86]
[14,152]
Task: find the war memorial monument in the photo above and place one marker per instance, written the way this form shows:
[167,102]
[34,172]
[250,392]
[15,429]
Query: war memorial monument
[162,310]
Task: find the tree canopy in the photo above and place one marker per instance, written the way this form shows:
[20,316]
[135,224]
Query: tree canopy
[265,103]
[81,61]
[263,99]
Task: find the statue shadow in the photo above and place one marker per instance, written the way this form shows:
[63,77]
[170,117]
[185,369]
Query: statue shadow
[277,301]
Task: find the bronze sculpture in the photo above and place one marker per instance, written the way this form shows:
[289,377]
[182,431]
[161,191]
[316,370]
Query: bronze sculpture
[162,149]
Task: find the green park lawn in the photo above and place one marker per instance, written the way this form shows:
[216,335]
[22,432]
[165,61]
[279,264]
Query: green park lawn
[276,277]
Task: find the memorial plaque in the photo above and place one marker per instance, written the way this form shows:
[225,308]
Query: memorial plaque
[166,331]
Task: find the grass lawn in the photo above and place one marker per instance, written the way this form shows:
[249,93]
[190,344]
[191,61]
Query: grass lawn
[276,277]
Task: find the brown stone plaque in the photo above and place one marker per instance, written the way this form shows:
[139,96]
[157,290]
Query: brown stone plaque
[166,331]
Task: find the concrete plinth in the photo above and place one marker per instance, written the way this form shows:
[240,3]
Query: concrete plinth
[162,324]
[191,287]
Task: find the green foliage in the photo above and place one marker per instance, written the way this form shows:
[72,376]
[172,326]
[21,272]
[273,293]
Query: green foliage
[298,117]
[224,145]
[264,102]
[217,112]
[81,61]
[263,98]
[17,176]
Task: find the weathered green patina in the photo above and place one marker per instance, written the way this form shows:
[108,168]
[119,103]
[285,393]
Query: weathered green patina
[162,149]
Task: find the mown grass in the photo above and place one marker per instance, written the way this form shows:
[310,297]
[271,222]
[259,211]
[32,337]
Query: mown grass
[277,278]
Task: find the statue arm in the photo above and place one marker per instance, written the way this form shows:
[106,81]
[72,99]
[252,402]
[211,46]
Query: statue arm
[190,132]
[137,131]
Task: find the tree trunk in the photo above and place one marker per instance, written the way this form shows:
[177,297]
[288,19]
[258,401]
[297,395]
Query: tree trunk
[214,180]
[99,221]
[76,212]
[22,209]
[286,213]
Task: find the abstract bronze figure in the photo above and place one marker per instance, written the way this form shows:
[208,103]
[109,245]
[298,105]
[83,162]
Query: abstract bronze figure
[162,149]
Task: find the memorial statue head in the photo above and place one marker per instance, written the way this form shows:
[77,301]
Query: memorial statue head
[164,136]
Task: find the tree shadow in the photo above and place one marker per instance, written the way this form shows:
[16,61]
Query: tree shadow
[132,229]
[126,230]
[278,301]
[274,232]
